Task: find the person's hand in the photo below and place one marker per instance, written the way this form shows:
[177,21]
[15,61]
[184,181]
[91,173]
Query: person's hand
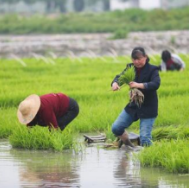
[133,85]
[136,85]
[115,86]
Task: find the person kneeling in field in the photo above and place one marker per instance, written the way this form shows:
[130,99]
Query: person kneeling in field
[171,62]
[55,110]
[147,80]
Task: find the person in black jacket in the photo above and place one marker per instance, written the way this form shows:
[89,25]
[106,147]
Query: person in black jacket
[147,80]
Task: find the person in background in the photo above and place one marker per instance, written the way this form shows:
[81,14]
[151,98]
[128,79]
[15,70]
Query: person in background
[171,62]
[55,110]
[147,80]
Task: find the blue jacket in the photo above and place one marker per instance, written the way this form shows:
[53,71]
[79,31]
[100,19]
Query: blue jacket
[149,75]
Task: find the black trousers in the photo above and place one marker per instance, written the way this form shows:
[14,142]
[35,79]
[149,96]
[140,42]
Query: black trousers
[73,111]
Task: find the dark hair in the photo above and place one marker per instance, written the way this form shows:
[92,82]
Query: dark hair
[166,55]
[138,51]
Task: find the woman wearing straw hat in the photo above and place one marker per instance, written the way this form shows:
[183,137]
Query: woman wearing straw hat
[54,110]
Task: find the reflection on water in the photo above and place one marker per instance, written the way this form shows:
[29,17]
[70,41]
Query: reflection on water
[94,167]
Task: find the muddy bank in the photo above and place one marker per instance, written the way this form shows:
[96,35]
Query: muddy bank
[91,45]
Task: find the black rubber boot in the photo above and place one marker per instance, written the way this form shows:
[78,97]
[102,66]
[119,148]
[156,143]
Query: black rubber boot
[124,139]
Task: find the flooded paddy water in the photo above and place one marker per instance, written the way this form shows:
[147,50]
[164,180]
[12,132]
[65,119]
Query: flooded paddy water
[92,167]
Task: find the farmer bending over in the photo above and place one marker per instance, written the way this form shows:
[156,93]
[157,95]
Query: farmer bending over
[54,110]
[171,62]
[147,80]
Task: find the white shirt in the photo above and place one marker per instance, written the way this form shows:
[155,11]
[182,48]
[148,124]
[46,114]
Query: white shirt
[176,59]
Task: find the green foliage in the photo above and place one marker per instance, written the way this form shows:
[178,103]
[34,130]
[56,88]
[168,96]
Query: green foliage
[135,94]
[127,76]
[172,156]
[120,23]
[8,121]
[119,34]
[171,132]
[41,138]
[173,40]
[88,81]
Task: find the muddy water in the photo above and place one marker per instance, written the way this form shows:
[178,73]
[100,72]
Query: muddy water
[93,167]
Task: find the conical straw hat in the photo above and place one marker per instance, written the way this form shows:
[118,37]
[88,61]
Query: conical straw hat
[28,109]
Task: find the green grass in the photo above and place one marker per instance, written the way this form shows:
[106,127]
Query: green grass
[42,138]
[8,121]
[88,81]
[171,132]
[127,76]
[171,156]
[120,23]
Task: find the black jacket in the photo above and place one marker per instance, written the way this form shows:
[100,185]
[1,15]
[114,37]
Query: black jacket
[149,75]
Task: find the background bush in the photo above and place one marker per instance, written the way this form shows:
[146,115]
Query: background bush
[116,21]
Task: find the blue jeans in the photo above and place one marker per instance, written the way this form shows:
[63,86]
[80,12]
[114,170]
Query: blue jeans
[124,120]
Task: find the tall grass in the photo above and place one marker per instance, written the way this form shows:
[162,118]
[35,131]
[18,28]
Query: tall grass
[88,81]
[8,121]
[42,138]
[171,156]
[171,132]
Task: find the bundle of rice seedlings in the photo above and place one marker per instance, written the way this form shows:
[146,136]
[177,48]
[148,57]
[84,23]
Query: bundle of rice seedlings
[135,94]
[127,76]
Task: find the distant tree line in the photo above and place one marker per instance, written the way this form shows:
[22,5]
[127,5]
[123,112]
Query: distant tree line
[117,22]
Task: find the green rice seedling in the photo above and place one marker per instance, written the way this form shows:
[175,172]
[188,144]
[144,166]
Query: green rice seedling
[109,135]
[63,140]
[41,138]
[127,76]
[98,108]
[171,156]
[135,94]
[171,132]
[8,121]
[5,132]
[30,138]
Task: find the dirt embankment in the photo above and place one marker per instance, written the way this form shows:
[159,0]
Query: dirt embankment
[92,45]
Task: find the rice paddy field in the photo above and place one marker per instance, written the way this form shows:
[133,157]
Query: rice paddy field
[88,80]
